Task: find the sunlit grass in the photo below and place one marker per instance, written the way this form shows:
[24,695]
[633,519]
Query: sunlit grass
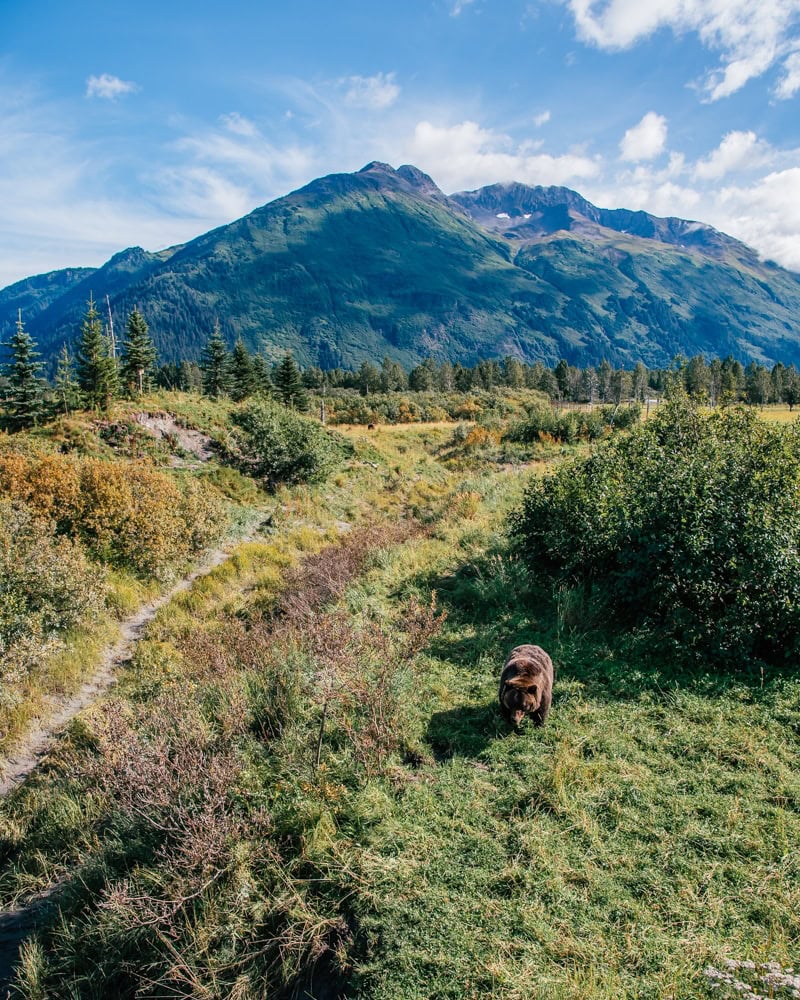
[649,829]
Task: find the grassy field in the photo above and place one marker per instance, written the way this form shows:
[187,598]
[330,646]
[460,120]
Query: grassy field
[650,829]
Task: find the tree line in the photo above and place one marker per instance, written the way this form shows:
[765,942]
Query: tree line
[96,374]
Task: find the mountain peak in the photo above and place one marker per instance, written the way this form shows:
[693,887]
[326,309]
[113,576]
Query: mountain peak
[355,266]
[523,214]
[378,167]
[418,179]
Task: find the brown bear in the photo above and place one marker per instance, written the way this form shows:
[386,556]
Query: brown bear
[526,685]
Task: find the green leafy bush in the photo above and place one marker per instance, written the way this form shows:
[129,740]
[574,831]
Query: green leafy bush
[545,424]
[278,445]
[689,525]
[347,406]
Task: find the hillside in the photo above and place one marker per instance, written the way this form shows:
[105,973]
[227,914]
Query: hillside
[356,266]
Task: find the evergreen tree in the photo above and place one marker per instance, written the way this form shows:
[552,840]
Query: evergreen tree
[288,383]
[561,375]
[190,378]
[67,388]
[25,396]
[168,376]
[462,377]
[98,377]
[243,376]
[262,375]
[314,378]
[214,365]
[138,356]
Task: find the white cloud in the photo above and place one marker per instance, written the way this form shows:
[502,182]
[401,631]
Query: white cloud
[750,36]
[69,200]
[224,173]
[646,140]
[790,81]
[374,92]
[541,119]
[466,155]
[766,215]
[459,6]
[238,124]
[737,151]
[109,87]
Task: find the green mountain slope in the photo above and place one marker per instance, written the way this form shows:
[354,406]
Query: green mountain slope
[34,295]
[355,266]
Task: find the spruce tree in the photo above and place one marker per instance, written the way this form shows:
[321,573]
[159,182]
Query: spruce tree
[214,365]
[243,376]
[262,375]
[25,396]
[289,383]
[190,378]
[67,390]
[98,377]
[138,356]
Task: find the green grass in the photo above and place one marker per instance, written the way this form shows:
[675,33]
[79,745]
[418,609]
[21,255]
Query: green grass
[649,829]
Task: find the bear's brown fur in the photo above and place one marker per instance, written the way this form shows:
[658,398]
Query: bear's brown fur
[526,685]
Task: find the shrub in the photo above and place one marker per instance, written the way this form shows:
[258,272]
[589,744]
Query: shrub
[689,525]
[345,406]
[279,446]
[126,513]
[567,426]
[46,586]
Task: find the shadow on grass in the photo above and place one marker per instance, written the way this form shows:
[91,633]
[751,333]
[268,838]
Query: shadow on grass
[494,604]
[465,731]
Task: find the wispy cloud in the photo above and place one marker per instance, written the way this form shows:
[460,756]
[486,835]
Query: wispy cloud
[109,87]
[457,7]
[541,119]
[238,124]
[374,92]
[750,37]
[68,199]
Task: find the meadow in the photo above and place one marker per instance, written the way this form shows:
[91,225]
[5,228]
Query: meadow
[301,785]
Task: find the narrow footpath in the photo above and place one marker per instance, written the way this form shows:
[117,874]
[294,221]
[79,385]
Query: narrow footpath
[36,744]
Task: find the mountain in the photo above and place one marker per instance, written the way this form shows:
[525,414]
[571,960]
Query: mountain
[34,295]
[356,266]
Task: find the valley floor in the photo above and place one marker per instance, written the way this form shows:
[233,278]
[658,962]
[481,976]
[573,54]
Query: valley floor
[650,830]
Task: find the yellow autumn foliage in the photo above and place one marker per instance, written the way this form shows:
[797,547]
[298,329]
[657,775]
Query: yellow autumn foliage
[125,513]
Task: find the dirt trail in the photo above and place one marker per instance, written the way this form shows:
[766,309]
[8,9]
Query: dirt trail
[59,711]
[17,925]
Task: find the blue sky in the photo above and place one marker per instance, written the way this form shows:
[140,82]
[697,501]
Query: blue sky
[149,123]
